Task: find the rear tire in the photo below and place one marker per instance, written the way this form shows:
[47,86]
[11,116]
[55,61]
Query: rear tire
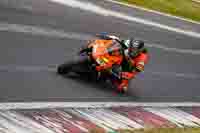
[77,65]
[64,68]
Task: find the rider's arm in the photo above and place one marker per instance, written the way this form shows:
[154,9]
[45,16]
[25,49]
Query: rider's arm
[122,44]
[87,48]
[128,75]
[138,64]
[140,61]
[104,67]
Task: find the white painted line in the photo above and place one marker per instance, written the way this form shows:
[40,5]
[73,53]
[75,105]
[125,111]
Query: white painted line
[188,116]
[49,32]
[39,105]
[11,127]
[42,31]
[66,115]
[177,50]
[23,124]
[120,118]
[174,74]
[16,123]
[108,122]
[11,68]
[105,12]
[94,119]
[153,11]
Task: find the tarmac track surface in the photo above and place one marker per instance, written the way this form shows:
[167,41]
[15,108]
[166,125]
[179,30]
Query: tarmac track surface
[37,35]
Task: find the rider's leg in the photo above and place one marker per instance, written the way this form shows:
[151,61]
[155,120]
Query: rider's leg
[123,85]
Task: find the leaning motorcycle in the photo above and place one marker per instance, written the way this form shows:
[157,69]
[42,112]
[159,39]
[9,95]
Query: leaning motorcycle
[99,52]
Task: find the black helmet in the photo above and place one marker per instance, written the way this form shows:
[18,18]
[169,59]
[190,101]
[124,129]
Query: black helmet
[131,43]
[135,48]
[137,44]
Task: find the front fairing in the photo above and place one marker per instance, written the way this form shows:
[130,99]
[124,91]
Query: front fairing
[102,51]
[104,47]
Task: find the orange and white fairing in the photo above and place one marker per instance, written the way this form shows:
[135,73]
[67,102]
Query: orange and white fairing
[106,52]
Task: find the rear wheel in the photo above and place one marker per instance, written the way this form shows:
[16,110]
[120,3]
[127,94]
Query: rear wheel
[77,66]
[64,68]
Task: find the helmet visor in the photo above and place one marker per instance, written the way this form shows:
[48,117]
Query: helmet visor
[127,43]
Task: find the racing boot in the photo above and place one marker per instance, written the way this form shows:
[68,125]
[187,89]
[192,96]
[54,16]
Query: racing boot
[121,85]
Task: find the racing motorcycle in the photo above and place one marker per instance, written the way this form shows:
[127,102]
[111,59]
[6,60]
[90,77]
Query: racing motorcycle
[99,52]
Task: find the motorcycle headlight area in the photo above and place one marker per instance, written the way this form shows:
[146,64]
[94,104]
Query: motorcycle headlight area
[101,61]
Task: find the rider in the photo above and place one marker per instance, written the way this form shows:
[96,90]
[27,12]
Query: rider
[135,57]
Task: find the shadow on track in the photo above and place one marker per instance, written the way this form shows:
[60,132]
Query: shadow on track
[89,80]
[102,85]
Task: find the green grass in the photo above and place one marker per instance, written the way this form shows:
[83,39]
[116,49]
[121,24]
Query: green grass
[183,8]
[156,130]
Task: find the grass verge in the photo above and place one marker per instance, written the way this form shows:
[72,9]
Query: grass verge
[183,8]
[156,130]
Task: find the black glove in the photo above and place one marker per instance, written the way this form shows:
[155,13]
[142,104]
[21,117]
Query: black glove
[116,71]
[87,50]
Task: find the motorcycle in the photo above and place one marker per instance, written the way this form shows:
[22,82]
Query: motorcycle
[99,52]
